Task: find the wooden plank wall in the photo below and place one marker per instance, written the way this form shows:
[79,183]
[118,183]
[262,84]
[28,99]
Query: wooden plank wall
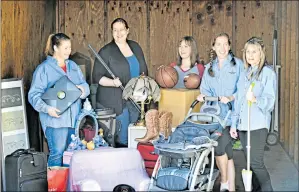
[288,24]
[159,25]
[26,26]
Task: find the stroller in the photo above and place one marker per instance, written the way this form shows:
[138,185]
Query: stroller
[182,160]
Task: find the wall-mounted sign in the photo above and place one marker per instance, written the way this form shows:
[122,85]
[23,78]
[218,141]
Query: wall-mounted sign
[14,121]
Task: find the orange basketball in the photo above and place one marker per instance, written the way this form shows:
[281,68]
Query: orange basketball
[192,81]
[166,76]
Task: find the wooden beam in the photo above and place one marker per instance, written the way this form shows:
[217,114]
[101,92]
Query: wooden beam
[287,76]
[296,90]
[292,75]
[278,26]
[60,16]
[282,71]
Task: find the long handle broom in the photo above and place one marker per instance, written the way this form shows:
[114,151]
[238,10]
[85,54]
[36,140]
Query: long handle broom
[247,173]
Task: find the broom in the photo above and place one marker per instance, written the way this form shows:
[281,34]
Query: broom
[247,174]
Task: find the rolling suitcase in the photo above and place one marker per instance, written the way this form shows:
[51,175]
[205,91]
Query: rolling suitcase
[150,158]
[26,170]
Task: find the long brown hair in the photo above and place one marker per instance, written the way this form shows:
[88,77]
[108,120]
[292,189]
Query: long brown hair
[194,57]
[260,44]
[213,54]
[54,39]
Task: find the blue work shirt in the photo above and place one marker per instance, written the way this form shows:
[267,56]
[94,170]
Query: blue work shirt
[45,76]
[134,66]
[224,82]
[264,90]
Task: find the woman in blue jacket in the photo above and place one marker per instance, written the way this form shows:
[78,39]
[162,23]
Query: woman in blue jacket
[220,80]
[262,97]
[57,128]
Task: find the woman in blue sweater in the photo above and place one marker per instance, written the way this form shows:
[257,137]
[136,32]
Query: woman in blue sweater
[262,97]
[57,128]
[220,80]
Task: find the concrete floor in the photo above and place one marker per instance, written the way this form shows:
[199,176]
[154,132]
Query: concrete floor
[283,173]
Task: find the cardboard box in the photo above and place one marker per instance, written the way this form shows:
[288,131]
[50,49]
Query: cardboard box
[136,132]
[178,101]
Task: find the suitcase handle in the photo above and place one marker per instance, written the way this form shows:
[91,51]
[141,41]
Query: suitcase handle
[24,151]
[18,152]
[152,153]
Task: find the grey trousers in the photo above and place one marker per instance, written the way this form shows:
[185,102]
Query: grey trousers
[257,142]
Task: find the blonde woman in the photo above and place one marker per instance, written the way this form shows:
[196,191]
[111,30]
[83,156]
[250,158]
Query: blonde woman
[262,97]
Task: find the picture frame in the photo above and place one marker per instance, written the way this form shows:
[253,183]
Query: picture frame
[14,120]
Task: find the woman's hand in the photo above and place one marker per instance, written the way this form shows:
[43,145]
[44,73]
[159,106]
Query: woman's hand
[233,133]
[116,82]
[250,97]
[52,112]
[224,99]
[81,89]
[200,98]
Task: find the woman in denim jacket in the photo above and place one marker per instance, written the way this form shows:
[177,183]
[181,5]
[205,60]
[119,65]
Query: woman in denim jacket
[220,80]
[57,128]
[263,98]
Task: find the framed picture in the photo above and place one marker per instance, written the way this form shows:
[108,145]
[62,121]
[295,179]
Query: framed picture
[14,120]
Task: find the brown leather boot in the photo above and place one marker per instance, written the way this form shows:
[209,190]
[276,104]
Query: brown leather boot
[152,126]
[165,121]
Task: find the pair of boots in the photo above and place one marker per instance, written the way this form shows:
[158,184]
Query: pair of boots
[156,123]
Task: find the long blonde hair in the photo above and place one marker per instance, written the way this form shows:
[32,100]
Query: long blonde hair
[260,44]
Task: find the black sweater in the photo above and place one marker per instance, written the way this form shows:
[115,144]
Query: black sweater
[112,96]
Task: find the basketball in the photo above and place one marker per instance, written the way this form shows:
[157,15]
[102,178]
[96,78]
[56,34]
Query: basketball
[166,76]
[192,81]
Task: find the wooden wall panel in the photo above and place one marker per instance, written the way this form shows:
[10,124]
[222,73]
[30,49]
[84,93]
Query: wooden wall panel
[282,61]
[287,77]
[169,22]
[296,100]
[23,40]
[292,76]
[84,23]
[7,44]
[296,155]
[255,18]
[288,58]
[208,20]
[135,13]
[25,27]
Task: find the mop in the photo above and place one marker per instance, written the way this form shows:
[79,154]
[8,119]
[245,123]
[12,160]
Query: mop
[247,174]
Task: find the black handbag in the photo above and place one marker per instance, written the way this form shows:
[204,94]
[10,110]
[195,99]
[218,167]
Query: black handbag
[26,170]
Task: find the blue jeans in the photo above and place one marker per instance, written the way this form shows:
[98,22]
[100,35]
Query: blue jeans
[129,115]
[58,140]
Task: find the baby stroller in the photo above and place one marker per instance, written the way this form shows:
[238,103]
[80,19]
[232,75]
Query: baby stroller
[182,160]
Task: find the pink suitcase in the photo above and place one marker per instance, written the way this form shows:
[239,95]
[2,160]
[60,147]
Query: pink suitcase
[107,168]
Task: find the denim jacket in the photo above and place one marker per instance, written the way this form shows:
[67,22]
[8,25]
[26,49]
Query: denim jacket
[264,90]
[224,83]
[45,76]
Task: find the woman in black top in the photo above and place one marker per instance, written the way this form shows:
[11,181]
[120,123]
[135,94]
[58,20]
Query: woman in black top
[126,60]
